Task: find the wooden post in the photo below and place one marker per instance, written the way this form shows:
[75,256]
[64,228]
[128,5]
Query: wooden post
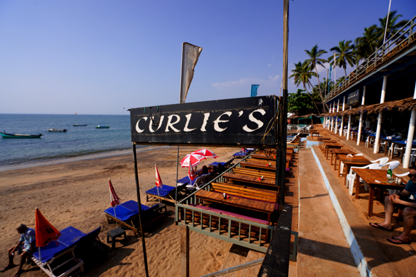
[184,233]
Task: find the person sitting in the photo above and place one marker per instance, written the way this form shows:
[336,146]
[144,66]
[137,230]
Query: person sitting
[203,178]
[401,201]
[25,247]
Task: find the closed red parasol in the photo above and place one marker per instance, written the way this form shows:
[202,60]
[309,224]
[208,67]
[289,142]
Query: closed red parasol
[45,232]
[115,200]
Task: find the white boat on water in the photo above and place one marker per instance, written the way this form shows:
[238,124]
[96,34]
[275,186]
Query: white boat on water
[56,130]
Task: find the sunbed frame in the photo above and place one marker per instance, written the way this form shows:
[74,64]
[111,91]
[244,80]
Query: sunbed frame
[49,269]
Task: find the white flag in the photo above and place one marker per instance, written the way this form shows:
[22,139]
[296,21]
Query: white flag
[190,55]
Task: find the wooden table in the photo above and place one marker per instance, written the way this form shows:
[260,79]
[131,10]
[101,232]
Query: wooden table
[325,142]
[370,176]
[250,179]
[239,202]
[335,151]
[261,165]
[351,161]
[330,146]
[313,132]
[270,157]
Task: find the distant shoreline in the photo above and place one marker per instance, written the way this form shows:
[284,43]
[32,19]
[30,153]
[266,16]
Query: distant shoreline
[104,154]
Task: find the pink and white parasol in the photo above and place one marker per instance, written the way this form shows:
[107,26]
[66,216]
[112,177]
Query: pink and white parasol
[205,153]
[192,160]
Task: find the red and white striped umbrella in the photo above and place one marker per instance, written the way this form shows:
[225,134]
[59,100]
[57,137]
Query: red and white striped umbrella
[205,153]
[192,160]
[115,200]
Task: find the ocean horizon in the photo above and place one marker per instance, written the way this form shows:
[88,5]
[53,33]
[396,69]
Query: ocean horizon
[79,142]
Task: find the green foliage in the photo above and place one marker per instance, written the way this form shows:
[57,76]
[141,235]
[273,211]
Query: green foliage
[343,55]
[300,103]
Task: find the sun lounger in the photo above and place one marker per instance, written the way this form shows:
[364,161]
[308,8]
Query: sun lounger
[126,214]
[242,154]
[58,258]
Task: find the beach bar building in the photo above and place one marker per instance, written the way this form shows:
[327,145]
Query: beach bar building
[244,204]
[377,100]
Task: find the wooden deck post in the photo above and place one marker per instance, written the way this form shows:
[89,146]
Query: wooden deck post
[184,233]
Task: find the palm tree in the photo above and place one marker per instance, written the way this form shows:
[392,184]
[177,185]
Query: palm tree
[367,44]
[313,61]
[392,26]
[302,74]
[343,55]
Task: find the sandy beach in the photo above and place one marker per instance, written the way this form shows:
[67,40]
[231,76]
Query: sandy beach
[76,194]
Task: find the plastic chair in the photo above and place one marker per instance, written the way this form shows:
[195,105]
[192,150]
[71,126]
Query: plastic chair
[392,165]
[351,176]
[381,160]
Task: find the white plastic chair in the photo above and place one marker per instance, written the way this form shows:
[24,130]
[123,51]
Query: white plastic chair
[381,160]
[351,176]
[392,165]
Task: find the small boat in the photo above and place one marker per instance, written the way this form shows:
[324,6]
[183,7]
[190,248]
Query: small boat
[78,125]
[7,135]
[57,130]
[102,127]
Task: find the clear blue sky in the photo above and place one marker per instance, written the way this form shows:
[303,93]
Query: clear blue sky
[100,56]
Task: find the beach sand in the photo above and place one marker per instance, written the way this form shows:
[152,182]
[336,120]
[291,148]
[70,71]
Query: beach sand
[76,194]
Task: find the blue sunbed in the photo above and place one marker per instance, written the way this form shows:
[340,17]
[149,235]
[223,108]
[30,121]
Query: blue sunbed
[70,237]
[126,214]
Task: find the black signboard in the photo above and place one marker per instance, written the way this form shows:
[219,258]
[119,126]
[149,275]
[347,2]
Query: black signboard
[241,121]
[353,98]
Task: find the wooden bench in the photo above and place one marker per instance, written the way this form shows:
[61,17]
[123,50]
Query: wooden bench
[240,178]
[254,172]
[245,191]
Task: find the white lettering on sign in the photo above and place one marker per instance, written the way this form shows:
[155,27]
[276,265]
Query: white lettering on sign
[170,123]
[158,126]
[218,121]
[188,118]
[220,124]
[137,125]
[204,123]
[255,120]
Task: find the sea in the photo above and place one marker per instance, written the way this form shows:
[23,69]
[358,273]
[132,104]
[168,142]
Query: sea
[53,147]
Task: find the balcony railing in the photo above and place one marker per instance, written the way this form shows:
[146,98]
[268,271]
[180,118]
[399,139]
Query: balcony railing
[396,44]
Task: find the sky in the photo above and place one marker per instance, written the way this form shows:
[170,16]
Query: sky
[106,56]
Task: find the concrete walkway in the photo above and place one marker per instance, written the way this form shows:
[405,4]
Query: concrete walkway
[323,249]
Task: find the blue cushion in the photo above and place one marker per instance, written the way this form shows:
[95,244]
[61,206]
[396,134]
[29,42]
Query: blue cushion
[69,237]
[163,192]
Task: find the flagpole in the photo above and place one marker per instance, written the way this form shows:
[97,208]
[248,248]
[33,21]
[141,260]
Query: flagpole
[140,210]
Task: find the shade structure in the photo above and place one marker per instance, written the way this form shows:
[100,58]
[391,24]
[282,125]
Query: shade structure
[191,160]
[205,153]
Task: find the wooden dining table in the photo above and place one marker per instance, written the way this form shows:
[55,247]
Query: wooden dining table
[261,165]
[331,146]
[350,161]
[324,142]
[241,178]
[335,151]
[240,202]
[370,176]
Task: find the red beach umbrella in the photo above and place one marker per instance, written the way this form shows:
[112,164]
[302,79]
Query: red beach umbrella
[115,200]
[205,153]
[192,160]
[45,232]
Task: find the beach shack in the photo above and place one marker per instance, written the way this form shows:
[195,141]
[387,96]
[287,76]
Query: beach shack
[243,204]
